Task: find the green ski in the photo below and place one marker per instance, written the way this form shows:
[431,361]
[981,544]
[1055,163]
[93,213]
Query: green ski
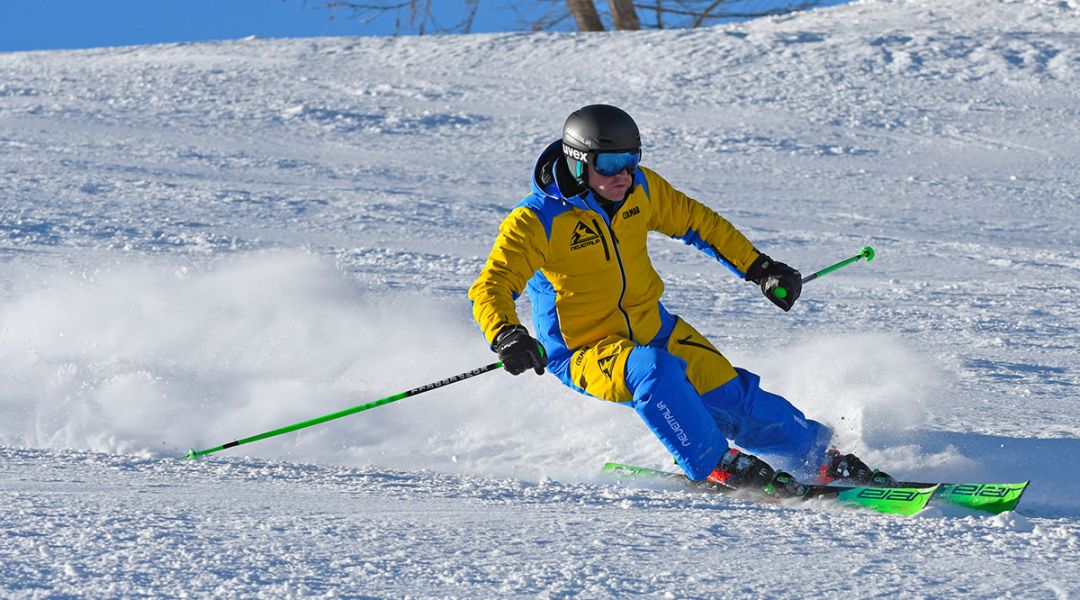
[985,497]
[892,500]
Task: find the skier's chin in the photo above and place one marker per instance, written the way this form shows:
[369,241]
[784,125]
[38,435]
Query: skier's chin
[614,193]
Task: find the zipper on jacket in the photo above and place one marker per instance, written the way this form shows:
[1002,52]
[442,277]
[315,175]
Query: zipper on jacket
[603,240]
[622,273]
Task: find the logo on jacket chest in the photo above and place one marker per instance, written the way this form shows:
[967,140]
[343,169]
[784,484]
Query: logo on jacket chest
[626,214]
[583,237]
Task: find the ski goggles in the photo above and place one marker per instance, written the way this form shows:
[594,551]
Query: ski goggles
[613,163]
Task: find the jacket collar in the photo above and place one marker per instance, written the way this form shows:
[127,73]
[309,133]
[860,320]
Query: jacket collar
[552,179]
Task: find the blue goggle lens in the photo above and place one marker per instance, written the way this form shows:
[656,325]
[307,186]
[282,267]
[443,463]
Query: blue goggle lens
[612,163]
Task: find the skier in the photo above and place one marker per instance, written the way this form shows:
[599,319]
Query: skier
[577,244]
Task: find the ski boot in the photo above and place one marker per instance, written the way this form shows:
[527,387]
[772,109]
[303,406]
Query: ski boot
[746,471]
[847,468]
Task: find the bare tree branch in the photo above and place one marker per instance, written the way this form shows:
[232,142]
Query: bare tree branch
[407,14]
[424,16]
[700,15]
[471,6]
[705,13]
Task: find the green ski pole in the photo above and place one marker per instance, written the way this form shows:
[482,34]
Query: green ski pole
[193,453]
[867,253]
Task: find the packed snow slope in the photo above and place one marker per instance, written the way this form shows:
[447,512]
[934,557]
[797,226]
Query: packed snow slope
[201,242]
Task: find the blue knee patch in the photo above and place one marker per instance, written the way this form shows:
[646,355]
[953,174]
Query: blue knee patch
[761,422]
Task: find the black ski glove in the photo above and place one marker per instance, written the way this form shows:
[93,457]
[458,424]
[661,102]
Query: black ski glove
[780,283]
[518,351]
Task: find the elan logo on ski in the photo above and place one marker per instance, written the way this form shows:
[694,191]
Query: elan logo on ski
[583,237]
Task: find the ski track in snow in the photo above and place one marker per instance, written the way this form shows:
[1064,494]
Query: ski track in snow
[122,526]
[200,242]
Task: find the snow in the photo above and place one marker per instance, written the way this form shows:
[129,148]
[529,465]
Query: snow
[201,242]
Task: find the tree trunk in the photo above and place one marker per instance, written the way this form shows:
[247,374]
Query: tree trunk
[624,15]
[585,14]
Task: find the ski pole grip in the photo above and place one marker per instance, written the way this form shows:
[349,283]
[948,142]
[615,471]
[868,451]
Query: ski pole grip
[867,252]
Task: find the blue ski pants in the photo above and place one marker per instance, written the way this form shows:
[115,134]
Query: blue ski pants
[693,400]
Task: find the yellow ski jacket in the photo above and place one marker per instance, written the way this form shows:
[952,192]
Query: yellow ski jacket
[588,274]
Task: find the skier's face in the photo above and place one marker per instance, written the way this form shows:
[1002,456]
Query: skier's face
[612,188]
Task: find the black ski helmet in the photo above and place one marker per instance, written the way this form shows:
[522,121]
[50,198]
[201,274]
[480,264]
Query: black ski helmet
[597,128]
